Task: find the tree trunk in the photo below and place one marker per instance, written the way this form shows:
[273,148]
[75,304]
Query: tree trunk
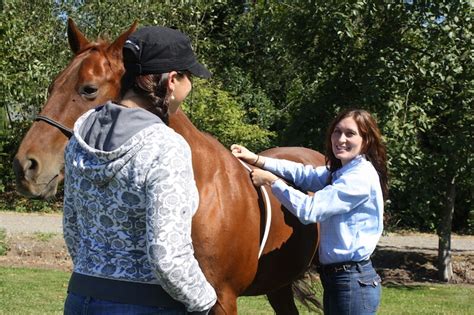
[445,268]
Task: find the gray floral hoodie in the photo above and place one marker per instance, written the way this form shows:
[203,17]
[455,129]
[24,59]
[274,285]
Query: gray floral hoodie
[130,196]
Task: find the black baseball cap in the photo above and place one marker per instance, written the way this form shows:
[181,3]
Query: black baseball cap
[158,49]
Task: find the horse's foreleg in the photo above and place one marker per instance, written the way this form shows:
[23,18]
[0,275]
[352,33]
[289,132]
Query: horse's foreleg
[282,301]
[226,304]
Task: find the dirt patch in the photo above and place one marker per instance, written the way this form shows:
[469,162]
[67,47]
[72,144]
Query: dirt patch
[37,250]
[396,264]
[408,266]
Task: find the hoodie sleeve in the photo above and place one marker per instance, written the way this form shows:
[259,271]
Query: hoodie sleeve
[172,198]
[70,228]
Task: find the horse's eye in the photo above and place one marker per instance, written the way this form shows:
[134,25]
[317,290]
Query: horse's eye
[89,91]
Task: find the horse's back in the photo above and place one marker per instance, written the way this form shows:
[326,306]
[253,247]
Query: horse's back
[297,154]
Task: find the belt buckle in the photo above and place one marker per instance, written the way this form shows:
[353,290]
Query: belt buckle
[340,268]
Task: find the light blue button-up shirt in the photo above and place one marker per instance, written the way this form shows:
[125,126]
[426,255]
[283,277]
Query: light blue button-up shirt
[350,210]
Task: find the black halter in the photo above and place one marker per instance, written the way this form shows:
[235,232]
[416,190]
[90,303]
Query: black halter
[65,130]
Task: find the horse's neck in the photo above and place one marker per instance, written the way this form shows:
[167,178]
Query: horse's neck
[209,155]
[200,143]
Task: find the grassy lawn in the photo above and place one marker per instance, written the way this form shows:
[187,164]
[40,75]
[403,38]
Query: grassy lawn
[33,291]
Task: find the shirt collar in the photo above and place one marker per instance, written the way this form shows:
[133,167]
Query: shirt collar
[355,161]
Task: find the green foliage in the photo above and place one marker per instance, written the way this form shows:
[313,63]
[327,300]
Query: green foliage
[281,71]
[5,140]
[36,49]
[215,111]
[409,64]
[31,33]
[3,242]
[10,136]
[11,201]
[437,117]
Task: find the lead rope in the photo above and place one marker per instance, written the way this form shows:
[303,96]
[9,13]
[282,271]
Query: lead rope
[268,217]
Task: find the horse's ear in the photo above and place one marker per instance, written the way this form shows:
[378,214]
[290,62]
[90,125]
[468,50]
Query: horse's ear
[77,40]
[115,49]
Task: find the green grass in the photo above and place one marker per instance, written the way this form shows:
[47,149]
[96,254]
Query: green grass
[427,299]
[33,291]
[398,300]
[44,236]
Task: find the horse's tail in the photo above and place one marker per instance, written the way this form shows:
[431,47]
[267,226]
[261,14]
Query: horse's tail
[307,290]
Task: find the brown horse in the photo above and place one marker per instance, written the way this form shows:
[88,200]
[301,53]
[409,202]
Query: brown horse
[229,224]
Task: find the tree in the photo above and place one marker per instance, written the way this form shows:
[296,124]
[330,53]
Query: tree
[31,34]
[448,142]
[409,63]
[29,57]
[35,49]
[283,69]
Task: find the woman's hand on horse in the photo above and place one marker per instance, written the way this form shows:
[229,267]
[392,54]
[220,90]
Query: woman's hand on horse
[261,177]
[244,154]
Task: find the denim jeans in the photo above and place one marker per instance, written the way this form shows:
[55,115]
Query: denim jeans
[82,305]
[354,291]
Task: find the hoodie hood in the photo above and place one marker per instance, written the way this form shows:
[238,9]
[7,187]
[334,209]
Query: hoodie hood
[107,137]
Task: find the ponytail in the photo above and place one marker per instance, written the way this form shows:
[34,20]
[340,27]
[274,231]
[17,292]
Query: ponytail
[154,87]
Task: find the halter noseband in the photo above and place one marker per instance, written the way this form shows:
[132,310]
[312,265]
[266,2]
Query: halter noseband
[65,130]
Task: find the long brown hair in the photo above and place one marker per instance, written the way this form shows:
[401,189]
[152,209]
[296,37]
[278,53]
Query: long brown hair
[372,145]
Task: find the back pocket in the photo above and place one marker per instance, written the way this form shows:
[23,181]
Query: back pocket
[370,288]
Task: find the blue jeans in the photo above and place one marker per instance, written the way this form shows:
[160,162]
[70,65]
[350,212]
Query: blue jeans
[82,305]
[353,291]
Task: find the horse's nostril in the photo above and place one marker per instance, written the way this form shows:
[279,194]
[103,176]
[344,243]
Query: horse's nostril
[31,168]
[31,165]
[25,168]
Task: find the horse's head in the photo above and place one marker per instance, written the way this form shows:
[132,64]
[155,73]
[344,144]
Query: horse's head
[91,78]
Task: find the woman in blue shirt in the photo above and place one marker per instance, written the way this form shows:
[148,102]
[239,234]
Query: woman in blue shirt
[348,201]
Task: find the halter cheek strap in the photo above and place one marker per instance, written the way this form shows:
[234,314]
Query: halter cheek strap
[65,130]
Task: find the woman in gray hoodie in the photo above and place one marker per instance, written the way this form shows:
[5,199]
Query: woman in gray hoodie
[130,193]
